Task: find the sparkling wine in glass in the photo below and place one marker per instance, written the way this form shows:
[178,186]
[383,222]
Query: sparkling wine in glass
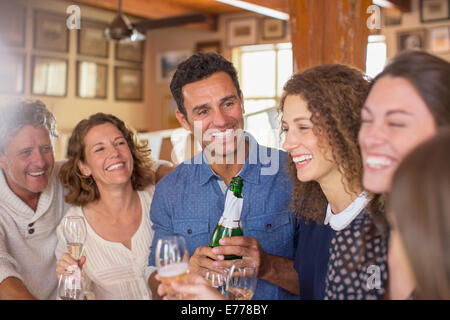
[242,279]
[75,235]
[172,262]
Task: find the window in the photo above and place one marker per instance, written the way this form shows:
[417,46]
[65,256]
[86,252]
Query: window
[263,71]
[376,55]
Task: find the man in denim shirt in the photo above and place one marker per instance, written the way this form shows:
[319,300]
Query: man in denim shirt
[190,200]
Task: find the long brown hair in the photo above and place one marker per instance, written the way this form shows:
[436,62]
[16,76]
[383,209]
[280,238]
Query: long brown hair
[420,204]
[334,95]
[83,190]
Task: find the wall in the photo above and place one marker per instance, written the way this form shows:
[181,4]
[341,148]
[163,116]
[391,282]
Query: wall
[410,21]
[70,110]
[173,39]
[146,115]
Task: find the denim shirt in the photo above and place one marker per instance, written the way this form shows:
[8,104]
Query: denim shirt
[189,202]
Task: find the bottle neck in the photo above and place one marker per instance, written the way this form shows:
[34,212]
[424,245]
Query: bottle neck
[229,222]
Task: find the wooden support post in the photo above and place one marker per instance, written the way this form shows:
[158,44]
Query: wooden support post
[329,31]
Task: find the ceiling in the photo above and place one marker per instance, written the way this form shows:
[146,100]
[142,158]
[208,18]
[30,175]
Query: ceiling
[155,9]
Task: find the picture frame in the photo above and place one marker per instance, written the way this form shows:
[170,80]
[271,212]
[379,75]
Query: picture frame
[128,83]
[411,40]
[12,72]
[92,80]
[392,16]
[167,62]
[439,39]
[12,24]
[434,10]
[50,32]
[49,76]
[208,46]
[92,40]
[241,32]
[169,108]
[273,29]
[130,51]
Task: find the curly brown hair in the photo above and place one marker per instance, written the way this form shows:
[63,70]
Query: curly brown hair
[335,95]
[83,190]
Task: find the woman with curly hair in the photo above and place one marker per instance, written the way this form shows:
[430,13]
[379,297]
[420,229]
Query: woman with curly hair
[341,251]
[110,182]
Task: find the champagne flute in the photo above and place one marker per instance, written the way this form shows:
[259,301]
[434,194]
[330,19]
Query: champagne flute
[70,285]
[242,279]
[75,235]
[172,262]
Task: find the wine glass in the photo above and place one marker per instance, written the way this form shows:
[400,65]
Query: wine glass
[172,262]
[75,235]
[218,279]
[241,280]
[70,285]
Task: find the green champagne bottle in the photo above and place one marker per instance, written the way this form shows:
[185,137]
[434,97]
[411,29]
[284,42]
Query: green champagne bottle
[230,223]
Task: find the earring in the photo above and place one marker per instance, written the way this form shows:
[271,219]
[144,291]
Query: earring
[86,179]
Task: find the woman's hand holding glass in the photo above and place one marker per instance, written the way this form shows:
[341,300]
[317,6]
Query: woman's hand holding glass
[68,266]
[195,287]
[172,263]
[240,284]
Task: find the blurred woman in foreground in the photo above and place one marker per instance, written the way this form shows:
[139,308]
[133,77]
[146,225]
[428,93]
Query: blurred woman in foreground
[419,207]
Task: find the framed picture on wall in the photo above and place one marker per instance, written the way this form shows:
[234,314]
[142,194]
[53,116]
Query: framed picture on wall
[440,39]
[49,76]
[242,32]
[169,109]
[167,62]
[12,24]
[50,32]
[434,10]
[92,40]
[92,80]
[131,51]
[208,46]
[12,72]
[273,29]
[392,16]
[128,83]
[411,40]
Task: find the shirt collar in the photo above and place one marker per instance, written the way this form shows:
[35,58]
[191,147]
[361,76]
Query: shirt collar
[250,172]
[341,220]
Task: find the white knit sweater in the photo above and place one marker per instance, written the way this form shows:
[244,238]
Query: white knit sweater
[28,238]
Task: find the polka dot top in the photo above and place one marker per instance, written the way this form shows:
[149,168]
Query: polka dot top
[352,275]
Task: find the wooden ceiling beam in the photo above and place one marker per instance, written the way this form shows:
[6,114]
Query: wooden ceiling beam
[281,5]
[150,9]
[402,5]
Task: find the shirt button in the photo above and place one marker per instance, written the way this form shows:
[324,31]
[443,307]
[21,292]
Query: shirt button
[189,231]
[31,224]
[268,226]
[31,231]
